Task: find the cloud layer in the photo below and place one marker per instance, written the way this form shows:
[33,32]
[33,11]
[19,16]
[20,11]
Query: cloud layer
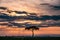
[33,6]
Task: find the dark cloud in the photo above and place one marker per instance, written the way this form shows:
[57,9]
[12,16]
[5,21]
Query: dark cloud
[31,17]
[44,17]
[56,7]
[4,8]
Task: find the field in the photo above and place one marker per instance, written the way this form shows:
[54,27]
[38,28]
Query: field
[28,38]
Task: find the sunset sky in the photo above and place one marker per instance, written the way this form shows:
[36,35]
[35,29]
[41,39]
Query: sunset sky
[32,6]
[25,13]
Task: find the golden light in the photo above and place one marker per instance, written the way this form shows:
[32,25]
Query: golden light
[10,31]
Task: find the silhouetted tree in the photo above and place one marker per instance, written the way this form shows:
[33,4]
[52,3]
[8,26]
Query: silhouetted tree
[33,28]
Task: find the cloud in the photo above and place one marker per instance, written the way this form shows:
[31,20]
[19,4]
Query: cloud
[51,23]
[4,8]
[32,19]
[33,6]
[44,8]
[56,7]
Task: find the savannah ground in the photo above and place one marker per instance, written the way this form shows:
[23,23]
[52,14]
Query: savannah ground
[28,38]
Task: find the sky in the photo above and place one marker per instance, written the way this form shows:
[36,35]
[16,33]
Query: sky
[15,14]
[50,31]
[33,6]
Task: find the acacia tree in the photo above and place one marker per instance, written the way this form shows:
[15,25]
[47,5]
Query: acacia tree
[32,28]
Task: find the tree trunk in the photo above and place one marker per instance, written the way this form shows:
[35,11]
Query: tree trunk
[32,32]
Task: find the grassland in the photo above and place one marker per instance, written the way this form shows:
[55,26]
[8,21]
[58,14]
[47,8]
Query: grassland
[29,38]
